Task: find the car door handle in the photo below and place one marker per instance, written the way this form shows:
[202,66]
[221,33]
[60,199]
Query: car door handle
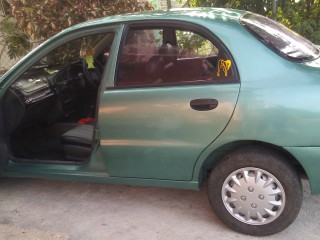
[203,104]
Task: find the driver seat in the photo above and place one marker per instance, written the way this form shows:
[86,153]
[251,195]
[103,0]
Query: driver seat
[77,143]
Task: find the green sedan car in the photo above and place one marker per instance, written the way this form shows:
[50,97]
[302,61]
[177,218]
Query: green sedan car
[172,99]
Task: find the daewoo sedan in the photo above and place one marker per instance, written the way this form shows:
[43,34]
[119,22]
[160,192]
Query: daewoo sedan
[172,99]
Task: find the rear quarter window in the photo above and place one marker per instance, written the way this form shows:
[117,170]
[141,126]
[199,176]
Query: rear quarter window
[279,38]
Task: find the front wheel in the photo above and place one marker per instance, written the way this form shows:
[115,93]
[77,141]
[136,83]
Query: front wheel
[255,191]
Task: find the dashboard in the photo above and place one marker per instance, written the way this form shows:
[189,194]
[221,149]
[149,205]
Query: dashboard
[33,90]
[42,97]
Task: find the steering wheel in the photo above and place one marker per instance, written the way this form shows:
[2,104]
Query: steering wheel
[92,76]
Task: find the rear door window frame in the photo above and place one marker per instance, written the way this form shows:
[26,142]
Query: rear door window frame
[177,25]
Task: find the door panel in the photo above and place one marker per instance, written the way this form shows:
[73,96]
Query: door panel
[154,133]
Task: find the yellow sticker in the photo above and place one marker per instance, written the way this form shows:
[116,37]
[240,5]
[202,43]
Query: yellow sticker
[90,62]
[225,66]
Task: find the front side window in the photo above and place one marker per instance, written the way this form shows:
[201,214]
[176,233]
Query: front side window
[279,38]
[171,56]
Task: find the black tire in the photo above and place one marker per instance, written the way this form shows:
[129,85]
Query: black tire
[246,164]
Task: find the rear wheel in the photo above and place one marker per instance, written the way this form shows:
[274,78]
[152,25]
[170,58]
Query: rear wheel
[255,191]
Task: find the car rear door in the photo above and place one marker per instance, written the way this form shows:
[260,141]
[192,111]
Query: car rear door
[174,92]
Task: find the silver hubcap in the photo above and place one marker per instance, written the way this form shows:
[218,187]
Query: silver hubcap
[253,196]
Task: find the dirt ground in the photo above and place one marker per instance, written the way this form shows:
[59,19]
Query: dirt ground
[59,210]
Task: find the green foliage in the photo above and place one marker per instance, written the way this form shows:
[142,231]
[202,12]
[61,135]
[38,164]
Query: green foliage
[304,18]
[37,20]
[191,43]
[16,40]
[258,6]
[4,6]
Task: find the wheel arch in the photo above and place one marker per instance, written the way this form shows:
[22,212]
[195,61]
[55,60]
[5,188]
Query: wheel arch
[255,190]
[217,154]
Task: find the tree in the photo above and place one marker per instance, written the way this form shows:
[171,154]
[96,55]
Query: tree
[30,22]
[302,17]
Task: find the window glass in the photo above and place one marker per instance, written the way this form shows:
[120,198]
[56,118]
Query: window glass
[279,38]
[194,45]
[169,56]
[141,45]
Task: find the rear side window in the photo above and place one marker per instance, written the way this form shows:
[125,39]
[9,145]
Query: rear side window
[279,38]
[172,56]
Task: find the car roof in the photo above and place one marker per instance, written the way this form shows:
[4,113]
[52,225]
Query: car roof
[183,14]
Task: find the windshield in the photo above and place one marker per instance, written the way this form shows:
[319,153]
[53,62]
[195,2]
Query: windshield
[279,38]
